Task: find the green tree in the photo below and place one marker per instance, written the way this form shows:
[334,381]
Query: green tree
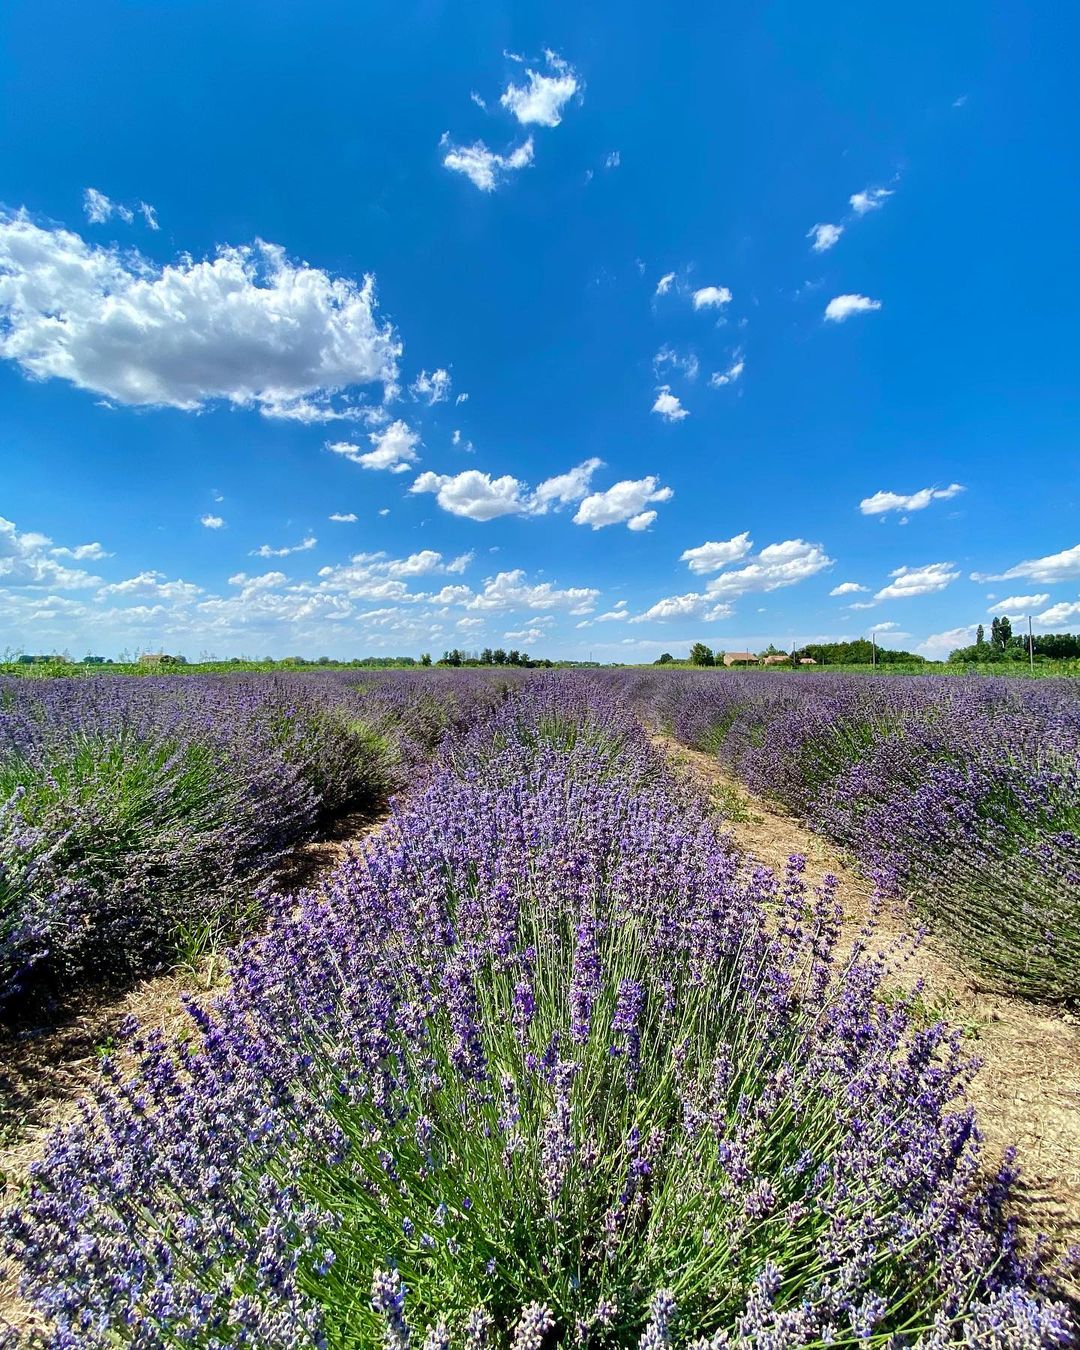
[1000,633]
[425,658]
[980,636]
[664,659]
[700,655]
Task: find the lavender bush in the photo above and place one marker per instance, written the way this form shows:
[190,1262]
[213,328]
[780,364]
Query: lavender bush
[537,1069]
[963,794]
[133,810]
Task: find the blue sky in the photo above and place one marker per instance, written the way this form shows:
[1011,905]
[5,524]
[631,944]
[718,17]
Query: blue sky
[613,328]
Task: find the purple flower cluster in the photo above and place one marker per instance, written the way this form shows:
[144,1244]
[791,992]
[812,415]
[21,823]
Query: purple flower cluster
[539,1067]
[131,808]
[961,793]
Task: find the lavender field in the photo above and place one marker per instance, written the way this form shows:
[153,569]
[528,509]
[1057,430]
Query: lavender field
[543,1062]
[138,816]
[960,794]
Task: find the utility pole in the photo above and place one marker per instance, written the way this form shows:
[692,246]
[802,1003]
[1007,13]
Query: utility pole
[1031,648]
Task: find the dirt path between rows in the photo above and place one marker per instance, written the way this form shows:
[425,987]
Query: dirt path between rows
[1028,1091]
[45,1070]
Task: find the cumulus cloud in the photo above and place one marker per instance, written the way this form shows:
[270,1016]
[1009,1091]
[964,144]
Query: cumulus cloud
[613,160]
[668,405]
[641,521]
[541,100]
[938,645]
[434,388]
[1018,604]
[151,585]
[777,565]
[100,209]
[473,494]
[81,552]
[247,327]
[265,551]
[483,167]
[622,502]
[267,581]
[711,557]
[1054,567]
[665,283]
[478,496]
[212,522]
[619,613]
[870,199]
[28,558]
[908,582]
[395,449]
[824,236]
[711,297]
[565,487]
[1064,612]
[848,588]
[510,590]
[344,517]
[882,502]
[721,377]
[842,307]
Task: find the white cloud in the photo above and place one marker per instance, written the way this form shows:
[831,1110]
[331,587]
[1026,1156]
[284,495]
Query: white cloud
[664,284]
[149,215]
[265,551]
[461,398]
[473,494]
[882,502]
[711,557]
[641,521]
[100,209]
[1019,604]
[565,487]
[824,236]
[613,160]
[776,565]
[721,377]
[212,522]
[29,559]
[434,387]
[621,502]
[842,307]
[541,101]
[908,582]
[266,582]
[247,327]
[711,297]
[668,405]
[395,449]
[151,585]
[885,627]
[343,517]
[509,590]
[81,552]
[870,199]
[1064,612]
[1063,566]
[847,588]
[483,167]
[688,365]
[938,645]
[619,614]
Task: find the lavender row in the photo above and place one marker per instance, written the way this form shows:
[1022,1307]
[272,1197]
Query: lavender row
[961,793]
[137,815]
[542,1067]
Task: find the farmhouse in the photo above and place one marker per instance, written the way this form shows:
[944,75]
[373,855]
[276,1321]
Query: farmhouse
[740,659]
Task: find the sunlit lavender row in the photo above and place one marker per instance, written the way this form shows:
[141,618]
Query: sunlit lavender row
[137,816]
[545,1065]
[961,794]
